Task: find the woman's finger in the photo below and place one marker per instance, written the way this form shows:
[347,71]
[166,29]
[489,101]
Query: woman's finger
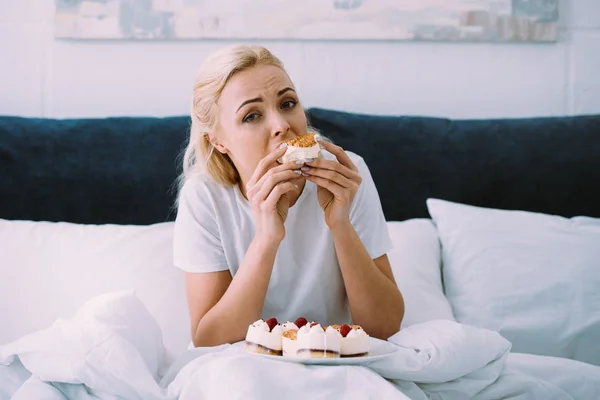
[279,190]
[333,176]
[292,165]
[261,192]
[338,191]
[335,166]
[265,164]
[339,153]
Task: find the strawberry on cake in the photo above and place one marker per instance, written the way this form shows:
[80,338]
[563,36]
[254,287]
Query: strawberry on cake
[310,340]
[264,337]
[354,341]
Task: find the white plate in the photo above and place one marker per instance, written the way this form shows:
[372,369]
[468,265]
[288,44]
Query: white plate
[378,349]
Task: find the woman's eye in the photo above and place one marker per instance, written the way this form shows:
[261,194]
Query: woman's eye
[250,117]
[288,104]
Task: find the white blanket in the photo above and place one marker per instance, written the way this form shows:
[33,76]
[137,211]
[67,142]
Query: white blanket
[112,349]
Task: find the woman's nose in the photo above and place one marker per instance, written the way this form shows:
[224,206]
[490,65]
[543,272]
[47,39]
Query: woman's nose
[280,127]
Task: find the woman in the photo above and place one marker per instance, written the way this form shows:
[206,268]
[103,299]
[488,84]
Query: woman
[259,239]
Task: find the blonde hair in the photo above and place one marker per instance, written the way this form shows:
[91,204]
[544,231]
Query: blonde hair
[200,156]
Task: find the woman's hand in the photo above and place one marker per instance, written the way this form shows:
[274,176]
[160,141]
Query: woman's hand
[267,191]
[337,184]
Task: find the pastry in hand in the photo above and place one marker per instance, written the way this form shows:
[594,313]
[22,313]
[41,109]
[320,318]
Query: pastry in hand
[303,147]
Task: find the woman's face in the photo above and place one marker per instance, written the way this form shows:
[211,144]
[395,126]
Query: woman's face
[258,109]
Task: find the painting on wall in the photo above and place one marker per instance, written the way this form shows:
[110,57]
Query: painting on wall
[424,20]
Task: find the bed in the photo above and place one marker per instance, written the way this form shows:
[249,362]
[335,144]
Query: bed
[496,231]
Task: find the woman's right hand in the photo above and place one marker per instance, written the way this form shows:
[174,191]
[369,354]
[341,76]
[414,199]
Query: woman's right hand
[267,191]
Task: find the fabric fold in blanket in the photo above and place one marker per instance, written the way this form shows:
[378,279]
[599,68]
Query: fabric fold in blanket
[112,349]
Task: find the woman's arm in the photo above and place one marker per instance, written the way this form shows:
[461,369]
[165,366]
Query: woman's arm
[375,300]
[222,307]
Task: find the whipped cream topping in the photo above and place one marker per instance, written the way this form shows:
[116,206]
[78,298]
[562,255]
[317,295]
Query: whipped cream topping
[261,325]
[277,330]
[304,329]
[332,331]
[354,333]
[288,326]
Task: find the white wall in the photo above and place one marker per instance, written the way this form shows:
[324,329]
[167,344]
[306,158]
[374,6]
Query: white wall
[40,76]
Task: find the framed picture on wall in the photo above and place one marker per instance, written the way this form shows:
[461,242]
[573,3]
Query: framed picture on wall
[415,20]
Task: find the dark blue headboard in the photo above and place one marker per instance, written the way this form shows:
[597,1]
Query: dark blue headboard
[124,170]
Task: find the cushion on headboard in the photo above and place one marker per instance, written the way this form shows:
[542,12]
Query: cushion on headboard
[549,164]
[95,171]
[124,170]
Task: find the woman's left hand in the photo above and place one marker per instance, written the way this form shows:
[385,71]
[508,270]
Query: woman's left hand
[337,184]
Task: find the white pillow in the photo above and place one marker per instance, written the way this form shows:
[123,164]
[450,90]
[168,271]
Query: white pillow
[112,346]
[535,278]
[50,269]
[415,261]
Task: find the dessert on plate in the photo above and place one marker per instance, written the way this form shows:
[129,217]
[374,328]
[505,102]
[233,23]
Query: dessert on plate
[303,147]
[303,339]
[355,342]
[264,337]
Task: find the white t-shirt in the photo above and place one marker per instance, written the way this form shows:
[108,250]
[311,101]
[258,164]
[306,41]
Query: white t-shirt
[215,226]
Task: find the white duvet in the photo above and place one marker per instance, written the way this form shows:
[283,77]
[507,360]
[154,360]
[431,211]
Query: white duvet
[112,349]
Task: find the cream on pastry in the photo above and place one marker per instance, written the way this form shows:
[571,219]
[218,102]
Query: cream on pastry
[289,337]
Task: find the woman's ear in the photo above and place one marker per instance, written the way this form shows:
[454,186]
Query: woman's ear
[216,143]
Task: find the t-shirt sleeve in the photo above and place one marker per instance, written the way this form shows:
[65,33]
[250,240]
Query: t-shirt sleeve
[366,215]
[197,243]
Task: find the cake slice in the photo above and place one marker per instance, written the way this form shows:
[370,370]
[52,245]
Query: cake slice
[354,342]
[311,341]
[264,337]
[303,147]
